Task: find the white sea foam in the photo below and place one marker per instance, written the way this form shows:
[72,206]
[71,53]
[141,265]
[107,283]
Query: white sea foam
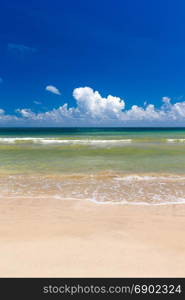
[175,140]
[61,141]
[99,202]
[135,178]
[132,178]
[142,203]
[46,141]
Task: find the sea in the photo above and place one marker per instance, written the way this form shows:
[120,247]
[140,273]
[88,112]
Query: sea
[111,166]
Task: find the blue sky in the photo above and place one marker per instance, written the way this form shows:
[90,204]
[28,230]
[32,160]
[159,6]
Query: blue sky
[130,49]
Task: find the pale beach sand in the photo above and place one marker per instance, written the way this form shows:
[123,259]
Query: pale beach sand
[55,238]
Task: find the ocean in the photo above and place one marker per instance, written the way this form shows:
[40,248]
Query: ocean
[142,166]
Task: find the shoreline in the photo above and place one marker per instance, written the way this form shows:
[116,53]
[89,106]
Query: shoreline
[55,238]
[100,188]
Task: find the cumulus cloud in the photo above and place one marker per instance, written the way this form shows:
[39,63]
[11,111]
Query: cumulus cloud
[93,105]
[94,110]
[26,113]
[166,99]
[53,89]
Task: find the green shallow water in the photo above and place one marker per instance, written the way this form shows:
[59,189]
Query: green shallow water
[148,151]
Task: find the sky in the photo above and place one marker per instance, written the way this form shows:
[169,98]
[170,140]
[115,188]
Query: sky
[92,63]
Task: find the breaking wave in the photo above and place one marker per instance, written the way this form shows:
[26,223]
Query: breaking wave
[48,141]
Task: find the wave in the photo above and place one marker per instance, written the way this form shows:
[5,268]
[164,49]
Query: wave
[178,201]
[137,203]
[106,190]
[175,140]
[83,141]
[159,178]
[61,141]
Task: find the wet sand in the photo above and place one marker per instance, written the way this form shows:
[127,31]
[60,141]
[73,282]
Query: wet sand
[55,238]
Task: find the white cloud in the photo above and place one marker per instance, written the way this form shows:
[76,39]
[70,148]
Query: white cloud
[94,110]
[37,102]
[20,48]
[166,99]
[53,89]
[91,104]
[26,113]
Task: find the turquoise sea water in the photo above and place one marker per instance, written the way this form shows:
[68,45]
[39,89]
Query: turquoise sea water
[88,150]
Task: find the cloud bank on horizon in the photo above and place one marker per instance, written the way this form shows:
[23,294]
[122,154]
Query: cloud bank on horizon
[94,110]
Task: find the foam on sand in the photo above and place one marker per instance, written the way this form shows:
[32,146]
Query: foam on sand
[100,189]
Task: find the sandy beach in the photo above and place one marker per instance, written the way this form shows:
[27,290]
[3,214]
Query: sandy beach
[55,238]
